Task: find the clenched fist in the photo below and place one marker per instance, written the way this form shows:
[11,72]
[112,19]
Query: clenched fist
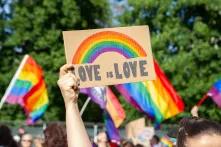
[68,84]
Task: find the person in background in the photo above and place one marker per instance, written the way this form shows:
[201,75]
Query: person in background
[69,85]
[127,144]
[102,140]
[6,138]
[155,141]
[26,140]
[38,141]
[55,136]
[21,131]
[16,138]
[198,132]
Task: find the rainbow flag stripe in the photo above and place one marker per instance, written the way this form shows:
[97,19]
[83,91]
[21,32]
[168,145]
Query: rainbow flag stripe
[112,132]
[166,142]
[156,98]
[215,92]
[97,95]
[114,108]
[28,89]
[105,98]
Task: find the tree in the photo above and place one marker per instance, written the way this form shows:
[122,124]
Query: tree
[35,27]
[185,37]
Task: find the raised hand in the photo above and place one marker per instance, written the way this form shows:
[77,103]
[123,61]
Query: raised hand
[68,84]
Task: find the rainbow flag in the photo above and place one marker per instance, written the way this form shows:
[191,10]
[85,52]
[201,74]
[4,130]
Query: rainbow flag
[97,95]
[112,131]
[215,93]
[114,108]
[28,89]
[157,98]
[166,141]
[105,98]
[114,114]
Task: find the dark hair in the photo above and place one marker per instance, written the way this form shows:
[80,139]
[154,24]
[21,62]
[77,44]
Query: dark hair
[128,144]
[190,127]
[139,145]
[55,135]
[6,138]
[156,138]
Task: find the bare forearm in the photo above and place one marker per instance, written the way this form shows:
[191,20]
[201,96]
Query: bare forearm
[76,132]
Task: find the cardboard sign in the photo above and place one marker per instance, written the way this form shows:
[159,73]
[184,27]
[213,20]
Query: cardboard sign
[110,56]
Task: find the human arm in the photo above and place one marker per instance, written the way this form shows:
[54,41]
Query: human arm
[68,84]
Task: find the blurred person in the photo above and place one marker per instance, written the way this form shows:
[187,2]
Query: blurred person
[127,144]
[155,141]
[6,138]
[102,140]
[16,138]
[139,145]
[69,85]
[38,141]
[55,136]
[198,132]
[123,141]
[21,131]
[26,140]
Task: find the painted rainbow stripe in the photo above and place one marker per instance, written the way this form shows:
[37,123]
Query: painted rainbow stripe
[107,41]
[156,98]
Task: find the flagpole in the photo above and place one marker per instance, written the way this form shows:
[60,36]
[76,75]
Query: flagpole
[95,130]
[202,100]
[13,80]
[85,105]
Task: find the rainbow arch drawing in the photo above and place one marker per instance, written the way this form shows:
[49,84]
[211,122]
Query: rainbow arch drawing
[107,41]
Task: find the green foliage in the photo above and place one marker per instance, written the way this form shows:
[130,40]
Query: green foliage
[185,38]
[35,27]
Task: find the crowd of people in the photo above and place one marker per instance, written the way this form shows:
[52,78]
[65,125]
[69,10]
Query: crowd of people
[23,139]
[193,132]
[55,136]
[103,141]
